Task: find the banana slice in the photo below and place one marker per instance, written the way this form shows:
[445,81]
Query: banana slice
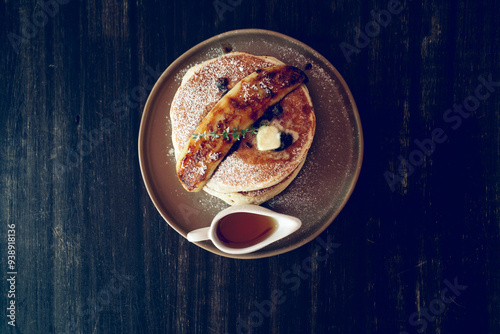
[238,109]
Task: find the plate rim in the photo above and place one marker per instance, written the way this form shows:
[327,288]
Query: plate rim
[193,50]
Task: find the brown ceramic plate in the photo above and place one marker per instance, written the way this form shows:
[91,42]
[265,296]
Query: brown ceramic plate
[322,187]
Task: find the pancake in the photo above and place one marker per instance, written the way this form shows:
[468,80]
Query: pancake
[255,196]
[245,169]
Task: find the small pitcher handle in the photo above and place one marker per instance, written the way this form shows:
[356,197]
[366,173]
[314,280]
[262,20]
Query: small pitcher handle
[200,234]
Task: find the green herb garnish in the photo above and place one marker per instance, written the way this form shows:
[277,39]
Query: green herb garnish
[236,133]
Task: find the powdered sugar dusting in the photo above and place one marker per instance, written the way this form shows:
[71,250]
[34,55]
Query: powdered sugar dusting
[302,198]
[212,203]
[197,96]
[326,93]
[263,169]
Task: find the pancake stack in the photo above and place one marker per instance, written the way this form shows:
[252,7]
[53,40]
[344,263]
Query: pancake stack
[246,175]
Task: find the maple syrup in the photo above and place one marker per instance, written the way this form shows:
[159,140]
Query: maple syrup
[244,229]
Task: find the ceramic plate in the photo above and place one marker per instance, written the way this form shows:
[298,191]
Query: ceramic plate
[322,187]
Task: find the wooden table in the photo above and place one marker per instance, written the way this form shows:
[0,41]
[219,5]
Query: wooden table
[416,248]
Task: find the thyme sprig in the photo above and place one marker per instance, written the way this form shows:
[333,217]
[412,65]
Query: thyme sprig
[236,133]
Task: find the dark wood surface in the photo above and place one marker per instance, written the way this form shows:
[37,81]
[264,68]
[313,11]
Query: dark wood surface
[92,254]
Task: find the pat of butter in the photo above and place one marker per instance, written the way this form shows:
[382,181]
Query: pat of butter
[268,138]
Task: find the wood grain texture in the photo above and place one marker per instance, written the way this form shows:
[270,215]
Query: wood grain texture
[94,256]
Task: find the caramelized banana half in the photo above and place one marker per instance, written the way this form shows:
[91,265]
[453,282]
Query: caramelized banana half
[239,108]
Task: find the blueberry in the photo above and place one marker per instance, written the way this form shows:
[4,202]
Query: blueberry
[277,109]
[286,140]
[271,112]
[221,85]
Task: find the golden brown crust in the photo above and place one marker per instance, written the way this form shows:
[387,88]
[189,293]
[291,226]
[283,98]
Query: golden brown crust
[238,109]
[263,169]
[255,196]
[244,170]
